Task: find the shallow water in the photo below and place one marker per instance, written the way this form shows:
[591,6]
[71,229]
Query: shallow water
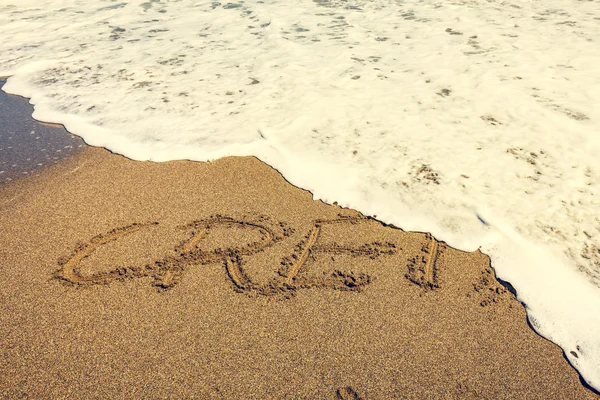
[474,120]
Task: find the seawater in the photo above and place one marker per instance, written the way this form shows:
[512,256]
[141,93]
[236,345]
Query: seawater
[474,120]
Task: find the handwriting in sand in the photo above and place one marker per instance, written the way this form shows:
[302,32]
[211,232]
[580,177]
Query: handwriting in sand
[168,271]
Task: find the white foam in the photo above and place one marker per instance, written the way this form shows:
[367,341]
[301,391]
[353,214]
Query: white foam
[434,116]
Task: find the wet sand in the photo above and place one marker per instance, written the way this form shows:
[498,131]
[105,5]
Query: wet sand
[28,146]
[222,280]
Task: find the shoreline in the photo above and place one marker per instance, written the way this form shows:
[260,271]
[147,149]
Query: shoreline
[82,159]
[27,146]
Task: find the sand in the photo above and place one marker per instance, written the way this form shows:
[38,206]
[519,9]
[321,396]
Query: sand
[123,279]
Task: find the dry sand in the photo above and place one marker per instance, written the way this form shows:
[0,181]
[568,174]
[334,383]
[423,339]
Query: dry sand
[123,279]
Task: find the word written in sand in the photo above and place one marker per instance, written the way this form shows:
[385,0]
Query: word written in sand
[168,271]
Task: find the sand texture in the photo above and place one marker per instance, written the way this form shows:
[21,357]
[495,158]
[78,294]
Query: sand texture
[123,279]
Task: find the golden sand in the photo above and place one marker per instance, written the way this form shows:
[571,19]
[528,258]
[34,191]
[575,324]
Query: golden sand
[125,279]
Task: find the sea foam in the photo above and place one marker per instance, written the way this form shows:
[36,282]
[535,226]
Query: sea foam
[474,120]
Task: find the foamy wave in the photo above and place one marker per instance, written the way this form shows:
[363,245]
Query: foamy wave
[476,121]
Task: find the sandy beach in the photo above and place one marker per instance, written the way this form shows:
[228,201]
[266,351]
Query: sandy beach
[126,279]
[380,200]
